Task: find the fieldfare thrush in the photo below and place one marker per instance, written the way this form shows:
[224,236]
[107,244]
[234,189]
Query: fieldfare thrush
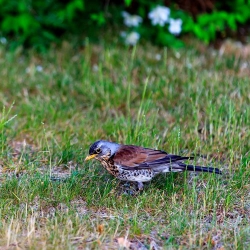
[139,164]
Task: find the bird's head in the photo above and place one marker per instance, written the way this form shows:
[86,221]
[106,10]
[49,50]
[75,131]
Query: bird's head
[102,150]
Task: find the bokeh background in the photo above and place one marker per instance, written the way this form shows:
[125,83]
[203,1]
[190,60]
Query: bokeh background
[39,24]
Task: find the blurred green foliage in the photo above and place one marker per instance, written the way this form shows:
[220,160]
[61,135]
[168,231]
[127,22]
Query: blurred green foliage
[208,25]
[39,23]
[226,16]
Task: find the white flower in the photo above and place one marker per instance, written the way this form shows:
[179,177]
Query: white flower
[175,26]
[158,57]
[131,38]
[131,20]
[159,15]
[3,40]
[39,68]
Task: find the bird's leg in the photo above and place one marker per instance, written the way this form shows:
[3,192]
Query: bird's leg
[140,186]
[125,188]
[126,184]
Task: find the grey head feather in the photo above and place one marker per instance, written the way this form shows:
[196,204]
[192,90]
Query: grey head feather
[105,146]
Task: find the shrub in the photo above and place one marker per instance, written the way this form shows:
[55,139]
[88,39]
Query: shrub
[39,23]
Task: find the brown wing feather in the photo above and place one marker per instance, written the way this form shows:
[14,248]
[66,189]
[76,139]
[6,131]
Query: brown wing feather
[132,156]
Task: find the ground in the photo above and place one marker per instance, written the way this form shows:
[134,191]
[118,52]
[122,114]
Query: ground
[194,101]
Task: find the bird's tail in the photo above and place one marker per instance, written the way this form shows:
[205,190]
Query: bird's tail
[200,169]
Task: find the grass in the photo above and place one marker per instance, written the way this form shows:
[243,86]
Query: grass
[191,102]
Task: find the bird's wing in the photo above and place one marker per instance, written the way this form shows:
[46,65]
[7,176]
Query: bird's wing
[134,157]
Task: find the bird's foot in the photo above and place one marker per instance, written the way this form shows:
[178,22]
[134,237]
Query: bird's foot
[130,188]
[140,186]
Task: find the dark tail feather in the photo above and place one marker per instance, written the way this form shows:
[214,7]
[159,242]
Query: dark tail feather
[201,169]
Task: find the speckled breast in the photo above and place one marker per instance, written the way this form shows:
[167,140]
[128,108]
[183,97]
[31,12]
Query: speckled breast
[110,167]
[142,175]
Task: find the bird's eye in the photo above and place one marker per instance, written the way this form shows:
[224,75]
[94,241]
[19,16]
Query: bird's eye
[98,150]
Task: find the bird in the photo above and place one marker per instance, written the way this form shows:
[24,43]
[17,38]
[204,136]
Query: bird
[138,164]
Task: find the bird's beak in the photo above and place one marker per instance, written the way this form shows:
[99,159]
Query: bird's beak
[89,157]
